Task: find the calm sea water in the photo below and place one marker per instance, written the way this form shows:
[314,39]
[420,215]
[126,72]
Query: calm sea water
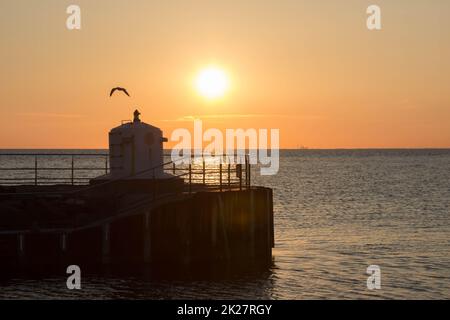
[336,213]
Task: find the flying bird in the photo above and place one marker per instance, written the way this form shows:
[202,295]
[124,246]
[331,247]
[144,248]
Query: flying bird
[119,89]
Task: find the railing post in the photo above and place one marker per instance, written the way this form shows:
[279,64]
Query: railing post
[220,177]
[35,171]
[72,171]
[204,172]
[106,165]
[190,177]
[240,175]
[173,167]
[246,171]
[249,174]
[229,175]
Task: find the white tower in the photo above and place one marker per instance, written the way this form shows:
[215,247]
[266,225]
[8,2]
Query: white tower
[136,150]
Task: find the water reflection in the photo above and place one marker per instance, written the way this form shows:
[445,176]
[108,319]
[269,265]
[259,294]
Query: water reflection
[219,282]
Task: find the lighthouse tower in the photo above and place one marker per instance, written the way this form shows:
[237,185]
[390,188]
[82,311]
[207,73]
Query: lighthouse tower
[136,150]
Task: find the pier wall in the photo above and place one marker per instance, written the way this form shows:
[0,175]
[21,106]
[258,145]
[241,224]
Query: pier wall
[203,228]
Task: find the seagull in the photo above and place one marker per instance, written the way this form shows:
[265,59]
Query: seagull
[120,89]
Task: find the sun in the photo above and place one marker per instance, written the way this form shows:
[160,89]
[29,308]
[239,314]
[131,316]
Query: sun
[212,83]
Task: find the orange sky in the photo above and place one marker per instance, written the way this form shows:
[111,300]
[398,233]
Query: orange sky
[309,68]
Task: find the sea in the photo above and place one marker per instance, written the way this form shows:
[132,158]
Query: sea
[336,213]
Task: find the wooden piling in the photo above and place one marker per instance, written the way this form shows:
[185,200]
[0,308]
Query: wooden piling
[106,245]
[63,242]
[147,237]
[252,222]
[21,249]
[203,228]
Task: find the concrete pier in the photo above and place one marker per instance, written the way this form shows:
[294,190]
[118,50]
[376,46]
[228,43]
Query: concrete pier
[141,211]
[203,228]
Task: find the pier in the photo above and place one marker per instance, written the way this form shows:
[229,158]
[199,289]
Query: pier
[203,214]
[129,207]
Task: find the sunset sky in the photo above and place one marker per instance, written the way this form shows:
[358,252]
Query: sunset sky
[309,68]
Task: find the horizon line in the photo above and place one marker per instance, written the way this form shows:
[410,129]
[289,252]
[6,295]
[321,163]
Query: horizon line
[306,148]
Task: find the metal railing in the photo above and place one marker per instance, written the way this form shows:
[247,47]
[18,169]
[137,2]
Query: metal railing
[222,173]
[35,165]
[195,175]
[225,172]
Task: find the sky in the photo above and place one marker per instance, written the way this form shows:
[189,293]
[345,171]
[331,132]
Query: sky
[311,69]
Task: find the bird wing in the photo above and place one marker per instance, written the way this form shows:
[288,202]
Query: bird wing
[119,89]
